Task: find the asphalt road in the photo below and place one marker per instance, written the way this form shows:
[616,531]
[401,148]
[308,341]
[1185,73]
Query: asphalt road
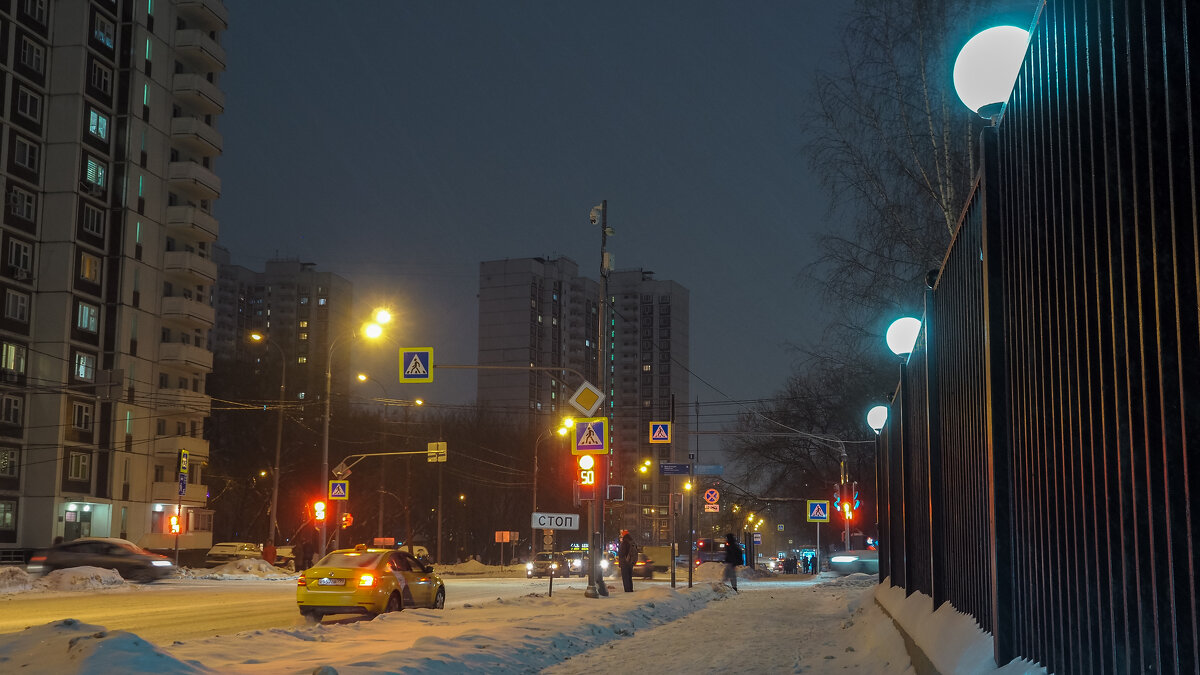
[185,609]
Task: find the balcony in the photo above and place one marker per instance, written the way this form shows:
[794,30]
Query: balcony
[169,446]
[182,400]
[193,180]
[180,354]
[192,312]
[190,263]
[195,495]
[203,52]
[210,14]
[199,94]
[194,135]
[193,219]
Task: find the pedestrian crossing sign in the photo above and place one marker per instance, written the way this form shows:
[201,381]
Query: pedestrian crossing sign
[818,511]
[660,432]
[339,489]
[416,364]
[591,436]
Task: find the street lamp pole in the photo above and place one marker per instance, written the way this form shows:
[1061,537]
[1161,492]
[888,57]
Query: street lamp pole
[325,437]
[274,517]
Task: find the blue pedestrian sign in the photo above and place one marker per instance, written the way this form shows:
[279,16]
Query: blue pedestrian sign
[416,364]
[591,436]
[673,469]
[339,489]
[660,432]
[818,511]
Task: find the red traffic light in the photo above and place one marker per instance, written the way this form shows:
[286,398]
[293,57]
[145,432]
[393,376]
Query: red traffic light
[347,520]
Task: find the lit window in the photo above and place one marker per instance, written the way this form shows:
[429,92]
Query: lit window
[9,457]
[8,515]
[302,359]
[98,124]
[304,324]
[12,357]
[81,462]
[16,306]
[321,301]
[103,31]
[29,104]
[97,171]
[88,317]
[85,367]
[303,336]
[89,267]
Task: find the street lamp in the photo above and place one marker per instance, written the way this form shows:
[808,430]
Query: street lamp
[987,67]
[877,417]
[259,337]
[902,335]
[372,330]
[562,430]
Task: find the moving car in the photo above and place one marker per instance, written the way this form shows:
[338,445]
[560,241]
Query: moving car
[131,561]
[546,564]
[228,551]
[577,562]
[368,581]
[644,567]
[865,561]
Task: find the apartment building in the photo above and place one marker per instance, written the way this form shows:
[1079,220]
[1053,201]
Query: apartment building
[106,236]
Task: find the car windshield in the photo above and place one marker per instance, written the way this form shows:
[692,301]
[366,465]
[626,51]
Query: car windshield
[545,557]
[349,560]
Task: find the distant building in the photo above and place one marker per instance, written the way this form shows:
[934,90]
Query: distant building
[295,306]
[540,312]
[108,186]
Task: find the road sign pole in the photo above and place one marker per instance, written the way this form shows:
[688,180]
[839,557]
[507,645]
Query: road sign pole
[817,567]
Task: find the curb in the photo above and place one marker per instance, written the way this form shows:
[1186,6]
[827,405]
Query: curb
[920,662]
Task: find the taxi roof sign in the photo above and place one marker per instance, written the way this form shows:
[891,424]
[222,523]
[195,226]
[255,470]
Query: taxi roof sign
[586,399]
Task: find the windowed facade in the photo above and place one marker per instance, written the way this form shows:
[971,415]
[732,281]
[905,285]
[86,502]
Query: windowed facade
[10,462]
[10,411]
[87,317]
[29,104]
[16,306]
[81,416]
[85,367]
[98,124]
[89,267]
[32,55]
[80,466]
[93,220]
[25,153]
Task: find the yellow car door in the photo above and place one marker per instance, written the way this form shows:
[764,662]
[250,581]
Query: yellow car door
[420,585]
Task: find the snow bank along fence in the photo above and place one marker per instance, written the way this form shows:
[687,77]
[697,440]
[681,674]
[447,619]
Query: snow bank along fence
[1037,468]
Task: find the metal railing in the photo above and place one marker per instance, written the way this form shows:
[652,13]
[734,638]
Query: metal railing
[1036,471]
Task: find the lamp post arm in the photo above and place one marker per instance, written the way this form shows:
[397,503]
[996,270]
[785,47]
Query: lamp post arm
[574,372]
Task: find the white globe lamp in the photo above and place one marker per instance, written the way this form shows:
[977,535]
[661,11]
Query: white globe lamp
[987,67]
[902,335]
[877,417]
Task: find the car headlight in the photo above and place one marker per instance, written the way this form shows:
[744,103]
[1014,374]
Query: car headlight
[843,558]
[161,563]
[528,565]
[575,563]
[603,564]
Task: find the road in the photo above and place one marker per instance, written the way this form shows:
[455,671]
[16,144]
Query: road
[165,612]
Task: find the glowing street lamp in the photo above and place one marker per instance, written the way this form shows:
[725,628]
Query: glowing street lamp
[877,417]
[987,67]
[259,337]
[902,335]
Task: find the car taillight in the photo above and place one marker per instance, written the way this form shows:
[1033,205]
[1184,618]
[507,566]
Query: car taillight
[38,558]
[366,580]
[301,581]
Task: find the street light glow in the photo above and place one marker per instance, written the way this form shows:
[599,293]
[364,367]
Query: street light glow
[987,67]
[902,335]
[382,316]
[372,330]
[877,417]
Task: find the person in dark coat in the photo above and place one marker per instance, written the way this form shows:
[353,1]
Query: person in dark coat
[626,557]
[733,558]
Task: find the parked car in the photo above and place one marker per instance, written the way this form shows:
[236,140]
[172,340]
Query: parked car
[131,561]
[577,563]
[547,564]
[285,557]
[865,561]
[229,551]
[369,581]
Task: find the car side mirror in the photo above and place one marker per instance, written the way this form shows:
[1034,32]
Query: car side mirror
[428,569]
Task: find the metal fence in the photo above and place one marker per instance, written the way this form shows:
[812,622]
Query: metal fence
[1036,471]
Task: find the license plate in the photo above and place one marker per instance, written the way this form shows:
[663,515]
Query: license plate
[331,582]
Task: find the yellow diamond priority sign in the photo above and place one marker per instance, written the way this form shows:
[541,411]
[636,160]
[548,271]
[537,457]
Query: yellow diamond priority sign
[586,399]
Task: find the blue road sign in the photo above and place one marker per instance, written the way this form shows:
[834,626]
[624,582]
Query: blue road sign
[709,469]
[416,364]
[667,469]
[591,436]
[660,432]
[339,489]
[818,511]
[182,484]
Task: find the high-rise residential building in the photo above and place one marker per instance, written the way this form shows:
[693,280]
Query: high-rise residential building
[538,312]
[109,182]
[300,309]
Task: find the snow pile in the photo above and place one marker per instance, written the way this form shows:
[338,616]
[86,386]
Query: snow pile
[69,646]
[80,579]
[14,580]
[247,569]
[951,639]
[468,567]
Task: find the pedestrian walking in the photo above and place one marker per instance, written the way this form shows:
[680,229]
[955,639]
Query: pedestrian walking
[626,557]
[733,558]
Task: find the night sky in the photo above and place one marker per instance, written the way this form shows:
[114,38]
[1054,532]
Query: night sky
[401,143]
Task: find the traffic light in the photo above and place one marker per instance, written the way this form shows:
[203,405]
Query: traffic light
[857,503]
[174,524]
[837,497]
[587,470]
[347,520]
[319,511]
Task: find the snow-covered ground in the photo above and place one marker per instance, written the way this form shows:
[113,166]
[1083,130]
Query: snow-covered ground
[795,624]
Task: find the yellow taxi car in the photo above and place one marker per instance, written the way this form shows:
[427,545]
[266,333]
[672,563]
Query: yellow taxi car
[369,581]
